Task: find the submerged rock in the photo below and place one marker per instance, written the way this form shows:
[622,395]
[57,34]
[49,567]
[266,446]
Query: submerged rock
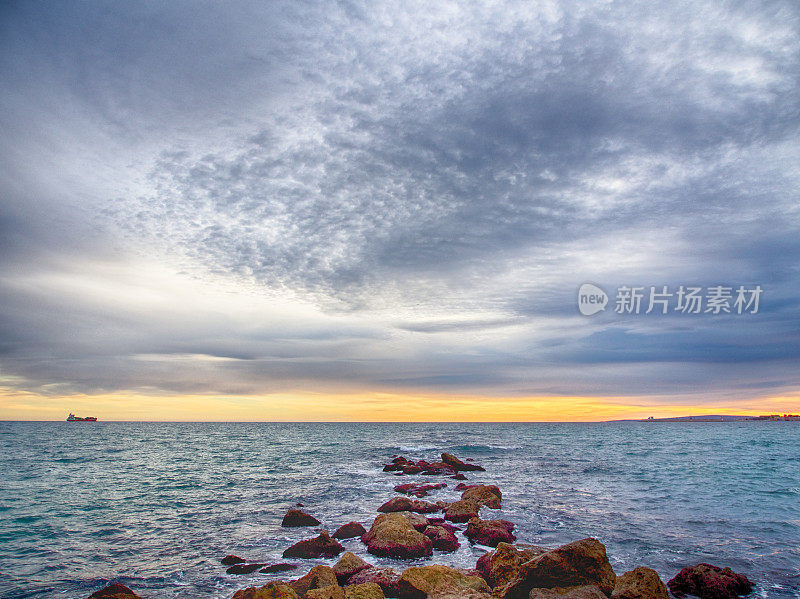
[271,590]
[579,563]
[299,518]
[394,535]
[640,583]
[321,546]
[271,569]
[418,490]
[229,560]
[490,532]
[349,531]
[386,578]
[114,591]
[458,465]
[709,582]
[244,568]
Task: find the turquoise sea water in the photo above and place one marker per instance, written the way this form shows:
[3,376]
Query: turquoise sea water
[156,505]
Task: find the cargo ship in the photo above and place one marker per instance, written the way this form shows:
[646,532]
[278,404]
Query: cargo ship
[74,418]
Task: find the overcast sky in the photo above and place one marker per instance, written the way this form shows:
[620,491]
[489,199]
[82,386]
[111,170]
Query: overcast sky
[248,199]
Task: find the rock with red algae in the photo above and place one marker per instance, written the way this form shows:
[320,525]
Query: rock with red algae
[321,546]
[393,535]
[386,578]
[640,583]
[709,582]
[367,590]
[230,560]
[484,495]
[348,565]
[404,504]
[458,465]
[575,564]
[317,578]
[503,564]
[349,531]
[490,532]
[244,568]
[114,591]
[418,490]
[440,581]
[442,538]
[299,518]
[271,590]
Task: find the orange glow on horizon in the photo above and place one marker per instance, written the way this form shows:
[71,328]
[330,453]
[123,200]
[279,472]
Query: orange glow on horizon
[371,407]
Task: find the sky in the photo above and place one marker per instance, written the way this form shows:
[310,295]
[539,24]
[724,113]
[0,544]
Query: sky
[385,210]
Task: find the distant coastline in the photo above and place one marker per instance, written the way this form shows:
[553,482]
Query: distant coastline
[720,418]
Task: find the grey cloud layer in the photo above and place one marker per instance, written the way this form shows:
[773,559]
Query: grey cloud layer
[466,167]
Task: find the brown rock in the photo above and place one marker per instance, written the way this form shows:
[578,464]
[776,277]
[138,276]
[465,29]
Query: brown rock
[229,560]
[271,590]
[386,578]
[437,468]
[442,538]
[244,568]
[502,565]
[348,565]
[437,581]
[393,535]
[582,592]
[349,531]
[299,518]
[333,591]
[459,476]
[458,465]
[461,511]
[483,495]
[418,490]
[367,590]
[321,546]
[576,564]
[404,504]
[114,591]
[490,532]
[709,582]
[640,583]
[317,577]
[278,568]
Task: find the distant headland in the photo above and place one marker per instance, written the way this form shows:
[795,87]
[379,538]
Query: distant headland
[719,418]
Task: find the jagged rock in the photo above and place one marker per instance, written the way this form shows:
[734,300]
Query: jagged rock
[277,568]
[271,590]
[436,581]
[579,563]
[502,565]
[404,504]
[367,590]
[417,489]
[582,592]
[437,468]
[386,578]
[458,465]
[349,531]
[709,582]
[114,591]
[393,535]
[443,523]
[229,560]
[321,546]
[461,511]
[640,583]
[328,592]
[299,518]
[483,495]
[244,568]
[459,476]
[348,565]
[490,532]
[317,578]
[442,538]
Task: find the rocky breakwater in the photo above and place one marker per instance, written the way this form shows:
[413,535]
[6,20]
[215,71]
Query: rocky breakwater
[402,530]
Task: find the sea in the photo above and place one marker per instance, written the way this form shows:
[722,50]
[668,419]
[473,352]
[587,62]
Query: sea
[155,506]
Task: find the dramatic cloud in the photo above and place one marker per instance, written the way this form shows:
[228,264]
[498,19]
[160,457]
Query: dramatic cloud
[367,196]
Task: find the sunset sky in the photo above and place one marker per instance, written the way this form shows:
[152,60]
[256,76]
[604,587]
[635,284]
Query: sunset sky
[384,210]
